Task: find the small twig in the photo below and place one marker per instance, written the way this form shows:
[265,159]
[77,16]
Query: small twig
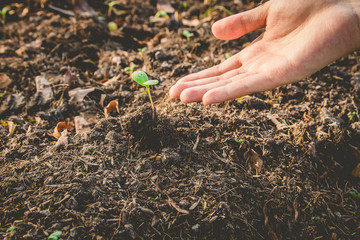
[63,11]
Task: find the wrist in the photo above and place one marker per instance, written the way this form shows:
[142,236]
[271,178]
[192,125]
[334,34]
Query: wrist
[355,7]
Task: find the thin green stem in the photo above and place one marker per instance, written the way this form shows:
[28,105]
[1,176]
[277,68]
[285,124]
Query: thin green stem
[152,103]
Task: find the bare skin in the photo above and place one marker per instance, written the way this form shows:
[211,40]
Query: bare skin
[301,37]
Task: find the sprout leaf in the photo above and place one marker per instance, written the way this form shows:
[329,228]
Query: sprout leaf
[140,77]
[151,82]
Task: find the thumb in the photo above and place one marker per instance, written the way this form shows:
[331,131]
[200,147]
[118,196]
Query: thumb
[242,23]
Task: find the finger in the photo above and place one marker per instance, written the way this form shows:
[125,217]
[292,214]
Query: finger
[237,88]
[226,66]
[176,90]
[195,94]
[239,24]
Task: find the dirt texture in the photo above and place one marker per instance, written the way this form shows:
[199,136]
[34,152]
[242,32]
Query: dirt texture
[281,164]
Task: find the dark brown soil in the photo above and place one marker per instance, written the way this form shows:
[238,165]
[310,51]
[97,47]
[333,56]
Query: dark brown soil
[226,171]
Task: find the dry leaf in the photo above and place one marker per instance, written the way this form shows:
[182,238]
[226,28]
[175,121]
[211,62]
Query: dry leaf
[102,99]
[78,94]
[4,81]
[61,126]
[12,127]
[58,129]
[164,5]
[81,124]
[356,153]
[254,160]
[68,80]
[34,44]
[43,87]
[63,139]
[111,107]
[191,23]
[83,8]
[356,171]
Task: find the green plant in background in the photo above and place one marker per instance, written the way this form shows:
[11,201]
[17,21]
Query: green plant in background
[3,14]
[222,8]
[111,6]
[187,34]
[142,78]
[184,4]
[161,14]
[12,227]
[130,70]
[55,236]
[351,115]
[142,50]
[354,193]
[112,26]
[227,55]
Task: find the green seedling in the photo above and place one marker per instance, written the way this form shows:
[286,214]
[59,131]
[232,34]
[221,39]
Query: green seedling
[142,78]
[221,8]
[112,26]
[130,70]
[12,227]
[111,6]
[283,121]
[3,14]
[158,197]
[315,218]
[354,193]
[239,141]
[161,14]
[187,34]
[142,50]
[55,236]
[352,115]
[227,55]
[184,4]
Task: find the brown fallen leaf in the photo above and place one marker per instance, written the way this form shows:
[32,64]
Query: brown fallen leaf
[83,8]
[12,127]
[81,124]
[78,94]
[254,160]
[34,44]
[164,5]
[4,80]
[356,153]
[43,90]
[111,107]
[356,171]
[68,80]
[63,139]
[61,126]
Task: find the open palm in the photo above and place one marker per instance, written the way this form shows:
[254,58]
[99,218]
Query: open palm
[300,38]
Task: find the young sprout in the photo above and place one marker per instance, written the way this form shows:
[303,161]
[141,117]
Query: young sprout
[111,6]
[161,14]
[222,8]
[112,26]
[227,55]
[142,78]
[184,4]
[187,34]
[142,50]
[351,115]
[3,14]
[130,70]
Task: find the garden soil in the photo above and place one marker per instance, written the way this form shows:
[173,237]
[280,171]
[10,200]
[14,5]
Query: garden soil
[81,152]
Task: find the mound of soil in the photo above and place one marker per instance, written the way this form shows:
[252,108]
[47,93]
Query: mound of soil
[281,164]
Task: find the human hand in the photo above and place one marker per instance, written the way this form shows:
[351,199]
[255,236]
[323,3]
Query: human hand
[301,37]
